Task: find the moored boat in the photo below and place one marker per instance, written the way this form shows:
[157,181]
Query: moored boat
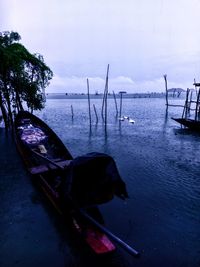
[189,123]
[48,161]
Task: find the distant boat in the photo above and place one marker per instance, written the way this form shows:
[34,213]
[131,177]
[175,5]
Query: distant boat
[189,123]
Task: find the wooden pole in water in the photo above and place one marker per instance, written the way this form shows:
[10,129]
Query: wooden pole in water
[115,103]
[95,111]
[166,90]
[105,94]
[120,108]
[195,86]
[72,111]
[102,108]
[189,106]
[88,93]
[184,114]
[197,105]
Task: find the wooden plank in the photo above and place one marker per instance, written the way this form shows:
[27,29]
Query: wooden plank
[63,163]
[48,167]
[39,169]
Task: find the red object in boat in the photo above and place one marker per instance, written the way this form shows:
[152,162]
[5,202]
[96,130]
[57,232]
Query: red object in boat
[99,241]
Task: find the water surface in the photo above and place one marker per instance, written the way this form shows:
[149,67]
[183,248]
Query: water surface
[157,159]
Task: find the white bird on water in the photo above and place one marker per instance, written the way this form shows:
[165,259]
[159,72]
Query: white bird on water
[126,117]
[121,119]
[131,120]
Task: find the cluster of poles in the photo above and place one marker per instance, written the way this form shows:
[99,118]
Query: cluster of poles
[187,107]
[104,107]
[189,101]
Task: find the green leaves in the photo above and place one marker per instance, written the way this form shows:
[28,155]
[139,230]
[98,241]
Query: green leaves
[23,76]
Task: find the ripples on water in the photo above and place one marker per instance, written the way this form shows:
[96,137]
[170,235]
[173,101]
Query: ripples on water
[159,162]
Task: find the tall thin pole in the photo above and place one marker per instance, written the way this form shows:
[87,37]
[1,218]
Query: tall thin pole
[166,90]
[114,96]
[190,102]
[105,94]
[88,93]
[72,111]
[197,105]
[195,86]
[185,105]
[95,111]
[120,108]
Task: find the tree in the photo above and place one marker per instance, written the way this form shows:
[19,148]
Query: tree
[23,77]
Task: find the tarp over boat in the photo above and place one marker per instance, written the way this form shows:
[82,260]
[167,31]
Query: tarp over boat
[93,179]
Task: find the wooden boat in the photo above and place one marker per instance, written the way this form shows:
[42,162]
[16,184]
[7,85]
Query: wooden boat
[189,123]
[51,164]
[47,160]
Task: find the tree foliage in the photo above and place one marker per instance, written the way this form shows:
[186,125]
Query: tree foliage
[23,76]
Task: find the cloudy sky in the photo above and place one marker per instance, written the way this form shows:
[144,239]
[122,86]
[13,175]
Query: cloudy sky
[140,39]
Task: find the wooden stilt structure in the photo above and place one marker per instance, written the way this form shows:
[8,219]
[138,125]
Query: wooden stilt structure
[191,123]
[189,100]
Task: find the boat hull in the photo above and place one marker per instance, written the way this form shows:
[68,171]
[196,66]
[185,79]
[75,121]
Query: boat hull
[47,179]
[189,123]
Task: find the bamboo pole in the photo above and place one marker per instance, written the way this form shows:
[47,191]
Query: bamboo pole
[195,86]
[105,95]
[88,93]
[184,114]
[166,90]
[120,108]
[189,107]
[187,103]
[95,111]
[114,96]
[197,105]
[72,112]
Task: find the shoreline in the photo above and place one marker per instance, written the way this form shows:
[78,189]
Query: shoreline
[100,96]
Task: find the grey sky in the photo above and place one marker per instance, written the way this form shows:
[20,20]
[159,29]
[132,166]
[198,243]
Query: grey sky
[140,39]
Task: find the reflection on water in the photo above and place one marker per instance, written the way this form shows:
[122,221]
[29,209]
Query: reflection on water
[159,162]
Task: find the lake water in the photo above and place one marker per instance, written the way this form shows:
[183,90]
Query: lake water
[157,159]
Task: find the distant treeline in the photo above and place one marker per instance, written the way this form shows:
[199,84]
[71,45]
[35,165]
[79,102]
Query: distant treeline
[99,95]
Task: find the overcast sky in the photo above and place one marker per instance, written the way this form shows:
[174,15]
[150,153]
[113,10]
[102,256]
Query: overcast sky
[140,39]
